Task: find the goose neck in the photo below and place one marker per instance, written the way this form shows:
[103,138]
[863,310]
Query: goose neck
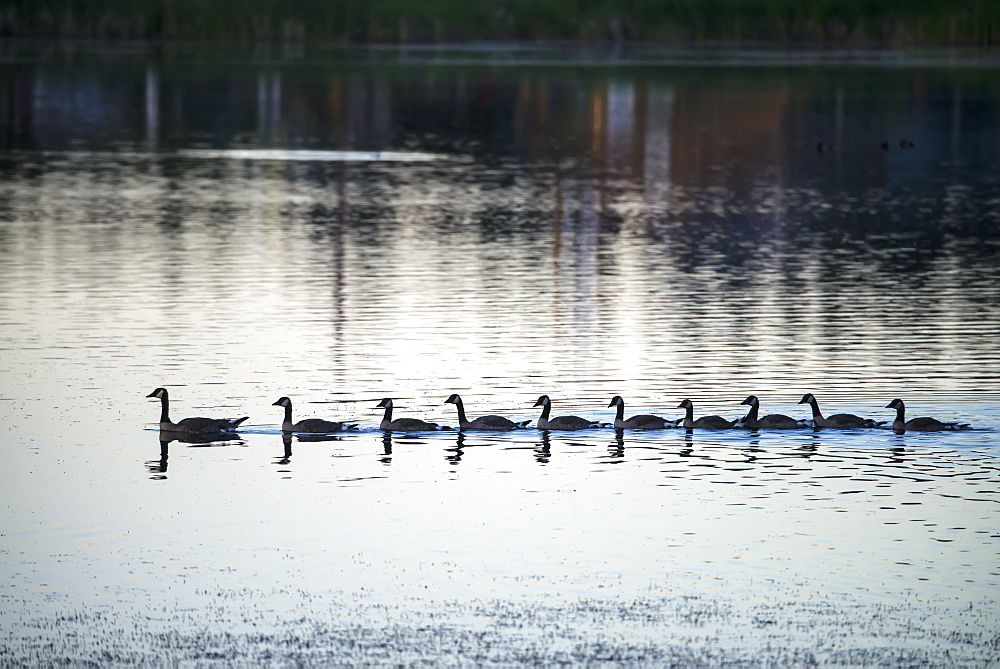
[462,420]
[815,409]
[164,409]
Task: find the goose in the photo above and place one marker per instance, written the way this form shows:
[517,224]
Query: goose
[639,422]
[402,424]
[841,420]
[922,424]
[192,425]
[709,422]
[560,422]
[490,422]
[774,421]
[314,425]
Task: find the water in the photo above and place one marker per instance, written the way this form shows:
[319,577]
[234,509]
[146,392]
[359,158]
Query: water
[343,227]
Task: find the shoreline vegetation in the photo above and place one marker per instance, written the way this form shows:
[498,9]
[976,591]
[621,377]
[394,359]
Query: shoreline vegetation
[898,22]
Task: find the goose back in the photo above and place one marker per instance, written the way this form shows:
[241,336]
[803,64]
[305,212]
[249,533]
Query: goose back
[774,421]
[489,422]
[637,422]
[311,425]
[706,422]
[195,424]
[837,420]
[402,424]
[560,422]
[921,424]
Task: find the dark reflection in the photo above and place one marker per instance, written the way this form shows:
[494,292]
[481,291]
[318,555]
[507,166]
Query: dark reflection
[897,455]
[386,457]
[815,441]
[286,456]
[688,450]
[286,440]
[753,449]
[454,454]
[543,450]
[158,468]
[808,450]
[616,449]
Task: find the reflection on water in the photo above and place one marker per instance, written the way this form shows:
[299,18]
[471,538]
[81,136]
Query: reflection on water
[658,229]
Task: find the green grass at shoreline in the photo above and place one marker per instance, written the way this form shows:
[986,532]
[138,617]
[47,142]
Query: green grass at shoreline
[905,22]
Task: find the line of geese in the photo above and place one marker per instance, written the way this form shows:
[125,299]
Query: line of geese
[751,421]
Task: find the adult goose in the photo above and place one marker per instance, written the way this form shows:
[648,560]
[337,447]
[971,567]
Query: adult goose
[837,420]
[491,422]
[638,422]
[560,422]
[922,424]
[313,425]
[194,425]
[708,422]
[774,421]
[402,424]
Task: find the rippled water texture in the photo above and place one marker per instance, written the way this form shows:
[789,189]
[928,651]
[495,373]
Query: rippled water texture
[341,227]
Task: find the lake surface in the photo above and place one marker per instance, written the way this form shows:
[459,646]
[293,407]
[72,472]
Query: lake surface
[340,226]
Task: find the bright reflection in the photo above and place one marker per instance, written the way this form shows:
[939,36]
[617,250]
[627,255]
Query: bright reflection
[304,155]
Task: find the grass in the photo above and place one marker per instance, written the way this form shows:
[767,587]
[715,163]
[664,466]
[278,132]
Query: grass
[892,21]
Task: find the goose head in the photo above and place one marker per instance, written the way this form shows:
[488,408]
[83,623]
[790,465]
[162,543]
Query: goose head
[283,402]
[385,404]
[616,401]
[751,400]
[895,404]
[543,401]
[807,399]
[453,399]
[685,404]
[159,393]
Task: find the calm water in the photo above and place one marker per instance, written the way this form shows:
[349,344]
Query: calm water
[341,227]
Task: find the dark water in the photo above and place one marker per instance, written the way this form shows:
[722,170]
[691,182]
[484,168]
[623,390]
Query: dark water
[343,226]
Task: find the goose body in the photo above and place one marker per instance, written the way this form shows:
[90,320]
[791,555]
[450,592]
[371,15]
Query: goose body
[491,422]
[922,424]
[638,422]
[402,424]
[707,422]
[194,425]
[774,421]
[560,422]
[837,420]
[313,425]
